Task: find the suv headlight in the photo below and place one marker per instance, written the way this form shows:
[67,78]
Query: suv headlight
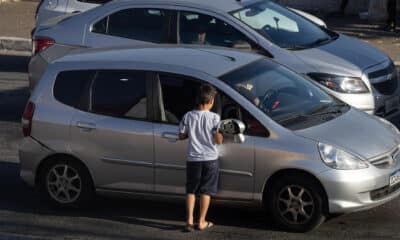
[340,84]
[339,159]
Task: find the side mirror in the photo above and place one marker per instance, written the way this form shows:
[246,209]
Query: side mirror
[233,127]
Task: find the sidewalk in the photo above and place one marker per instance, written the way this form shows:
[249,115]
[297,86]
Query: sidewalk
[17,21]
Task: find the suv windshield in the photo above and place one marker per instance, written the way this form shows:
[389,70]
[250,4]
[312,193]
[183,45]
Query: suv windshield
[282,26]
[283,95]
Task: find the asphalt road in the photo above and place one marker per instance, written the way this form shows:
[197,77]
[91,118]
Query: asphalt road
[23,215]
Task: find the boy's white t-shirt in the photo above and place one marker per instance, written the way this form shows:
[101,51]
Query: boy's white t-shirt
[200,127]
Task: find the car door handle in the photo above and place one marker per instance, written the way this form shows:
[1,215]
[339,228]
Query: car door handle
[86,126]
[172,137]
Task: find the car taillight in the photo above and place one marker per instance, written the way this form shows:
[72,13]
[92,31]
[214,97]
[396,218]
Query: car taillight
[27,117]
[40,44]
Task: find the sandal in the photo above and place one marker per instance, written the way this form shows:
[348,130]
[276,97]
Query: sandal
[189,228]
[208,225]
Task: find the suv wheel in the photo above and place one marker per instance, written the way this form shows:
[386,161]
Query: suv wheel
[296,203]
[66,183]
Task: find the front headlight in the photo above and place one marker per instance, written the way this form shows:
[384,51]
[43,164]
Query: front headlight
[389,124]
[340,84]
[339,159]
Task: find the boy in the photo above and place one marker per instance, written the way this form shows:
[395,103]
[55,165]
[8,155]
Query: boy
[200,126]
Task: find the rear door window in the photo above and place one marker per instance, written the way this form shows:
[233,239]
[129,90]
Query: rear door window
[120,94]
[150,25]
[195,28]
[71,86]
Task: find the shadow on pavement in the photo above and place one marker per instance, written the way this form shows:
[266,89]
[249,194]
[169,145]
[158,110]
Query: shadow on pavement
[356,27]
[12,103]
[13,63]
[18,198]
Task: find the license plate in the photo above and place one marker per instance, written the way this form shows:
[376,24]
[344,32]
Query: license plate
[394,178]
[391,104]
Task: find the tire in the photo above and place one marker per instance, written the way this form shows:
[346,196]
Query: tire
[65,182]
[296,203]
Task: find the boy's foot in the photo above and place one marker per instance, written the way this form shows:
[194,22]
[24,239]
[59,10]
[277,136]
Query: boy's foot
[189,228]
[205,226]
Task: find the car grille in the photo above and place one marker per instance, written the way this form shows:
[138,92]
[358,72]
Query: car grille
[383,192]
[384,80]
[387,160]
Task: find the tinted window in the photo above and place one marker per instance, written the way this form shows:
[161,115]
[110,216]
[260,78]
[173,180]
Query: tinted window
[178,97]
[70,87]
[203,29]
[150,25]
[120,94]
[284,96]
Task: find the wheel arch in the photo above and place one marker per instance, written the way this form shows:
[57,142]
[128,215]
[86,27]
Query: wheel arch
[294,172]
[62,156]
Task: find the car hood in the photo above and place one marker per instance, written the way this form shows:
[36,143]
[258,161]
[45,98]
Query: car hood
[356,132]
[343,56]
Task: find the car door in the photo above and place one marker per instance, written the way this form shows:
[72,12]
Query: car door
[176,96]
[130,26]
[114,136]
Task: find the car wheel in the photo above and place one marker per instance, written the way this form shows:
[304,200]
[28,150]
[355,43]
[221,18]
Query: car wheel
[296,203]
[66,183]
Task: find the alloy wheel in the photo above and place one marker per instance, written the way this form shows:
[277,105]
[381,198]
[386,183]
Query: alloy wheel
[295,204]
[64,183]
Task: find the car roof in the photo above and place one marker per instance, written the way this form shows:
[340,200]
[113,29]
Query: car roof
[210,60]
[222,5]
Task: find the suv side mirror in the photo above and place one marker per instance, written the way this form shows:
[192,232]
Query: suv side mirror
[233,127]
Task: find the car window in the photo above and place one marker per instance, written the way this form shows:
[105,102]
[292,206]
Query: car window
[195,28]
[150,25]
[120,94]
[178,96]
[282,26]
[70,86]
[281,94]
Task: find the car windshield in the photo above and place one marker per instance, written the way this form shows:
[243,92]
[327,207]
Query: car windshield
[282,26]
[283,95]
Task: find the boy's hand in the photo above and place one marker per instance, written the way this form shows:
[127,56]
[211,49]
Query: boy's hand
[183,136]
[218,137]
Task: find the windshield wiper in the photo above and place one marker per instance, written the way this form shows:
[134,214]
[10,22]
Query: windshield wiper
[296,47]
[319,41]
[292,118]
[337,108]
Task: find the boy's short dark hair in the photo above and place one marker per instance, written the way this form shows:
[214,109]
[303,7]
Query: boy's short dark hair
[205,94]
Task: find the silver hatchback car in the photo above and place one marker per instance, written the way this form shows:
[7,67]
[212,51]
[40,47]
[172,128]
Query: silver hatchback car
[349,69]
[106,121]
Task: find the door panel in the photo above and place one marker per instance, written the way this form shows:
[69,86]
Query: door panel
[118,152]
[176,95]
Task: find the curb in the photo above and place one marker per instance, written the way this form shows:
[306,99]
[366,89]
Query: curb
[15,44]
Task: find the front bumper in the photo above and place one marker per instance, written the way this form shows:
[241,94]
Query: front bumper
[355,190]
[31,153]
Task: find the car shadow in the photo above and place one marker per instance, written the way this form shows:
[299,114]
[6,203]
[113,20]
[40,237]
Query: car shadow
[167,216]
[14,63]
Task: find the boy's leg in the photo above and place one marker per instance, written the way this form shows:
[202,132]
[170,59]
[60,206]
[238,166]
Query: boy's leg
[209,186]
[190,203]
[204,205]
[193,178]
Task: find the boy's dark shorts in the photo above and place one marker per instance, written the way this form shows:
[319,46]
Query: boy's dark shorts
[202,177]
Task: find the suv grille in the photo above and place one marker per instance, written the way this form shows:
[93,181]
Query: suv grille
[387,78]
[387,160]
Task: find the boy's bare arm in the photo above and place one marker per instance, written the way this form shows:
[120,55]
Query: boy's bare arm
[218,137]
[183,136]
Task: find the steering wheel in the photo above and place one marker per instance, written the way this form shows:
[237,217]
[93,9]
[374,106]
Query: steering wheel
[270,100]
